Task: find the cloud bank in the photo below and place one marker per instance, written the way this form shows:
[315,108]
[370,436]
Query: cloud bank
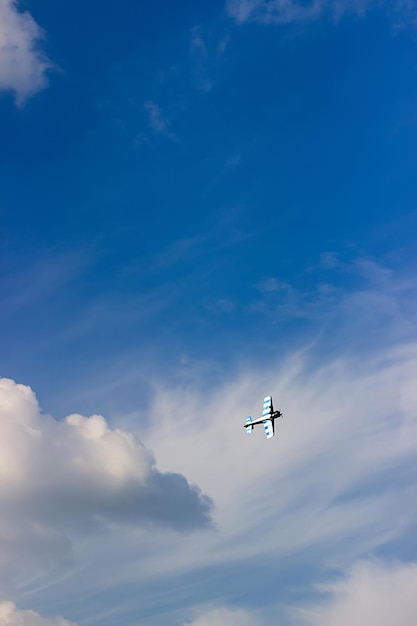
[23,67]
[78,475]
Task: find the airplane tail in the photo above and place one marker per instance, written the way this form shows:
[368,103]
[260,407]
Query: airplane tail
[249,429]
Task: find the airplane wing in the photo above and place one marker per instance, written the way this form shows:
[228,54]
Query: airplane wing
[266,413]
[267,407]
[269,428]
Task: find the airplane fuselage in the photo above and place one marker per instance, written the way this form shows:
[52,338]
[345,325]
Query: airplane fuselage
[260,420]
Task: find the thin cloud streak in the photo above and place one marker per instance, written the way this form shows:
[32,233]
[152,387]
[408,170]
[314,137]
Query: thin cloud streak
[380,300]
[158,122]
[275,12]
[292,11]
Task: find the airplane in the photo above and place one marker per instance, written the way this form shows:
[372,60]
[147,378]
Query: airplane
[267,419]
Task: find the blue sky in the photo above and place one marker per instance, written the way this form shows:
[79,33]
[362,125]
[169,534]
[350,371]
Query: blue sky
[203,203]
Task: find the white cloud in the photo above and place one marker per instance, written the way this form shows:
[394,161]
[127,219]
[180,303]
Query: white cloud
[11,616]
[60,478]
[225,617]
[23,66]
[373,594]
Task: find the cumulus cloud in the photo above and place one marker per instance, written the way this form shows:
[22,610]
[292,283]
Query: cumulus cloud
[23,66]
[78,474]
[225,617]
[373,593]
[10,615]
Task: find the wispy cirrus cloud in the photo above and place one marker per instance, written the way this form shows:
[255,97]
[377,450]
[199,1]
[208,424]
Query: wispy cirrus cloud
[275,11]
[23,65]
[378,297]
[290,11]
[200,57]
[316,439]
[158,121]
[206,50]
[39,279]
